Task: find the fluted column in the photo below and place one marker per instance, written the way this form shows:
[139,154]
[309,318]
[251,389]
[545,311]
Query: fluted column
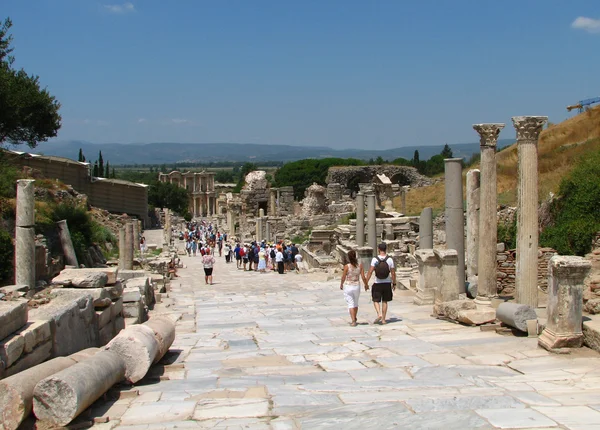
[488,213]
[371,222]
[528,131]
[455,218]
[360,219]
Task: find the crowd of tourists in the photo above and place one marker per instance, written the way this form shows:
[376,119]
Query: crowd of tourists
[203,239]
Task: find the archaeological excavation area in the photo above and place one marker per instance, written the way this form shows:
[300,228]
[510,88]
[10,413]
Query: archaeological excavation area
[478,335]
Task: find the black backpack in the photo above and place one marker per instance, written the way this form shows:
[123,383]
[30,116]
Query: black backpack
[382,268]
[272,253]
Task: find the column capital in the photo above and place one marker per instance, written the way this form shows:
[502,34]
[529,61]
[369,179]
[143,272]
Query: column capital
[488,133]
[529,127]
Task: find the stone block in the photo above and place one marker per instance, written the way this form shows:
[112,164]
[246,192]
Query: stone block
[39,354]
[11,349]
[477,316]
[117,309]
[135,310]
[34,333]
[126,275]
[72,318]
[145,287]
[453,308]
[13,316]
[131,294]
[81,278]
[107,332]
[119,324]
[104,316]
[592,306]
[591,334]
[112,273]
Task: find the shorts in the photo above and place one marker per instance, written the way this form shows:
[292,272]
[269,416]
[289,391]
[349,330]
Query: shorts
[351,294]
[238,257]
[208,271]
[245,260]
[382,292]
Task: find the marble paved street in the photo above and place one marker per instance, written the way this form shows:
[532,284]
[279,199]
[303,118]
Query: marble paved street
[269,351]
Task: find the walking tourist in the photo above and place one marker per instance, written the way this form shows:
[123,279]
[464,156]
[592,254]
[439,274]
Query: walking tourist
[385,282]
[207,261]
[350,284]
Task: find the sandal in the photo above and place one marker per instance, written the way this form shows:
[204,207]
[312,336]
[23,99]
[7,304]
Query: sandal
[377,320]
[353,323]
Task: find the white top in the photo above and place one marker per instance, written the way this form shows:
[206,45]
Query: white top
[298,258]
[389,261]
[279,257]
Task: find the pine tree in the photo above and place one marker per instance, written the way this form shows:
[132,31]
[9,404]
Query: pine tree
[415,160]
[107,172]
[446,152]
[81,158]
[100,163]
[114,175]
[96,169]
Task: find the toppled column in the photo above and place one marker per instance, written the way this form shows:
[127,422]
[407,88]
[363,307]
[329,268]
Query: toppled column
[164,333]
[25,234]
[565,302]
[472,222]
[488,214]
[122,248]
[59,398]
[371,222]
[429,276]
[67,243]
[137,347]
[515,315]
[448,285]
[360,219]
[455,219]
[528,131]
[16,392]
[426,229]
[128,246]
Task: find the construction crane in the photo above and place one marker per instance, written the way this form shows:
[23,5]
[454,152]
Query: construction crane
[583,104]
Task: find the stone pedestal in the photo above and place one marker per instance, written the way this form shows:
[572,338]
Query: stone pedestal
[25,234]
[128,262]
[448,285]
[455,219]
[528,131]
[426,229]
[360,219]
[565,302]
[371,222]
[472,222]
[429,276]
[488,213]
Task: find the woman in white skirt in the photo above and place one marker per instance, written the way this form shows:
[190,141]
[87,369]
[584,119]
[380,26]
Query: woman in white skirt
[350,284]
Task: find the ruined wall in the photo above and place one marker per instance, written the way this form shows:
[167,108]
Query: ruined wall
[350,176]
[506,266]
[110,194]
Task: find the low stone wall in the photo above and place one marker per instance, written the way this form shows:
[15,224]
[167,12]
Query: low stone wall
[506,267]
[317,261]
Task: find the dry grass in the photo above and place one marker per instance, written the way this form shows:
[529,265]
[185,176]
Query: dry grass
[560,146]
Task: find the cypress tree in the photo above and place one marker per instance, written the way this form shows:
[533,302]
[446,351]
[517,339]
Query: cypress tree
[100,163]
[96,169]
[107,172]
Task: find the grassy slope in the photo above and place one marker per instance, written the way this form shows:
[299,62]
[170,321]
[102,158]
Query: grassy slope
[560,146]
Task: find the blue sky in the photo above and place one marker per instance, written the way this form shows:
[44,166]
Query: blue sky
[338,73]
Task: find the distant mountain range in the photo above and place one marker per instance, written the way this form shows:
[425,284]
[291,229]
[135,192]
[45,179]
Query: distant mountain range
[170,153]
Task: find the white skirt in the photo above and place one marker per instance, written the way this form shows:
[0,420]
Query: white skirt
[351,294]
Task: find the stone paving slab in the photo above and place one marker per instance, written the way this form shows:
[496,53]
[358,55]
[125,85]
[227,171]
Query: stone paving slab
[270,351]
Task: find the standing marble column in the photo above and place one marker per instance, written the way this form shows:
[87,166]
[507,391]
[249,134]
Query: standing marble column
[360,219]
[67,243]
[25,234]
[371,222]
[528,131]
[123,247]
[136,236]
[129,246]
[403,200]
[473,182]
[565,302]
[426,229]
[455,218]
[267,230]
[488,213]
[272,205]
[259,222]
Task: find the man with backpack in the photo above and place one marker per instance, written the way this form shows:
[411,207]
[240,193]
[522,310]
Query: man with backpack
[385,282]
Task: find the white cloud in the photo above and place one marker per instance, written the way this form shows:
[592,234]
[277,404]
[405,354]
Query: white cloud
[120,8]
[180,121]
[100,122]
[141,120]
[590,25]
